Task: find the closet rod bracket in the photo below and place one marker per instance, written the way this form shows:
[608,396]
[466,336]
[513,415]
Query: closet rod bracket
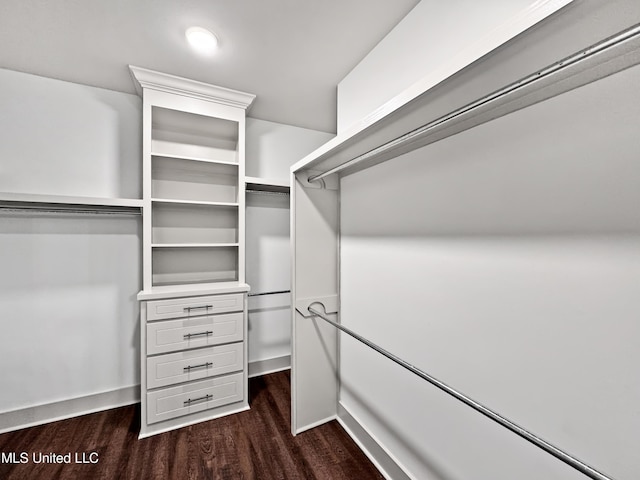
[329,182]
[329,303]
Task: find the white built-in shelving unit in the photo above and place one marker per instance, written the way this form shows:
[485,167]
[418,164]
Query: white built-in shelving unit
[193,302]
[196,185]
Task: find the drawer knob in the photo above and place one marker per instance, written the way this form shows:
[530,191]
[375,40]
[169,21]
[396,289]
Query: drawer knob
[199,334]
[202,365]
[199,399]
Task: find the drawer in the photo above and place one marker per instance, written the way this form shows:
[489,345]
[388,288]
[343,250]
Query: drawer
[193,306]
[173,335]
[194,397]
[179,367]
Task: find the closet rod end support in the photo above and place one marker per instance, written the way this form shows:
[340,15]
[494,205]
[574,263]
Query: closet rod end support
[328,303]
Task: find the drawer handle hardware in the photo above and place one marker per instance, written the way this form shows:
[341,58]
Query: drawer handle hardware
[206,307]
[199,399]
[199,334]
[191,367]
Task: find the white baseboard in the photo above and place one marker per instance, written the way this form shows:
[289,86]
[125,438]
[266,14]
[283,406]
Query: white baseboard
[271,365]
[51,412]
[322,421]
[378,454]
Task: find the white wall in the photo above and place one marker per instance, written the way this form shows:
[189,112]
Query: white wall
[434,41]
[271,149]
[67,282]
[68,139]
[505,261]
[69,313]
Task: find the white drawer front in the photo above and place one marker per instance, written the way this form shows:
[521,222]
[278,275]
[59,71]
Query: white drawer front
[174,335]
[194,397]
[179,367]
[194,306]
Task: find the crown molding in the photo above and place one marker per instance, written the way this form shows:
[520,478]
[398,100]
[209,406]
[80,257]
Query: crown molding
[164,82]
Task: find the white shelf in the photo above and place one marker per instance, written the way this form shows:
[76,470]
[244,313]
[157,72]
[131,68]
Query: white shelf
[183,265]
[410,121]
[177,179]
[267,184]
[69,200]
[193,158]
[194,202]
[193,245]
[192,290]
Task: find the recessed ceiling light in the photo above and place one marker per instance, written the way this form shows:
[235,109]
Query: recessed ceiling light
[202,40]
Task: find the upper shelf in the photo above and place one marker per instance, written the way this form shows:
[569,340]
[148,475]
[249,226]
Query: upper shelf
[184,134]
[38,201]
[175,201]
[267,184]
[408,122]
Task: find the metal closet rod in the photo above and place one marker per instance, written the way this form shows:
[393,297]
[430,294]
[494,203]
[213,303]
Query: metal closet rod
[278,292]
[69,209]
[265,192]
[519,85]
[515,428]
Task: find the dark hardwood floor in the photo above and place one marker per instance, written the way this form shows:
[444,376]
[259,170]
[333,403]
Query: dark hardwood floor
[256,444]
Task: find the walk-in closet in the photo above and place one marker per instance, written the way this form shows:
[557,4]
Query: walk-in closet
[360,239]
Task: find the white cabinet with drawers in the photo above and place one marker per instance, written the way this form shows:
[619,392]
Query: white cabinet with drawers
[193,365]
[194,361]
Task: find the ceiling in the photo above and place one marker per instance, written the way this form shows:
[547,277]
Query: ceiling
[290,53]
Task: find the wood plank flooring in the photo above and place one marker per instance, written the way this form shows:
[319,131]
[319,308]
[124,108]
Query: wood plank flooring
[256,444]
